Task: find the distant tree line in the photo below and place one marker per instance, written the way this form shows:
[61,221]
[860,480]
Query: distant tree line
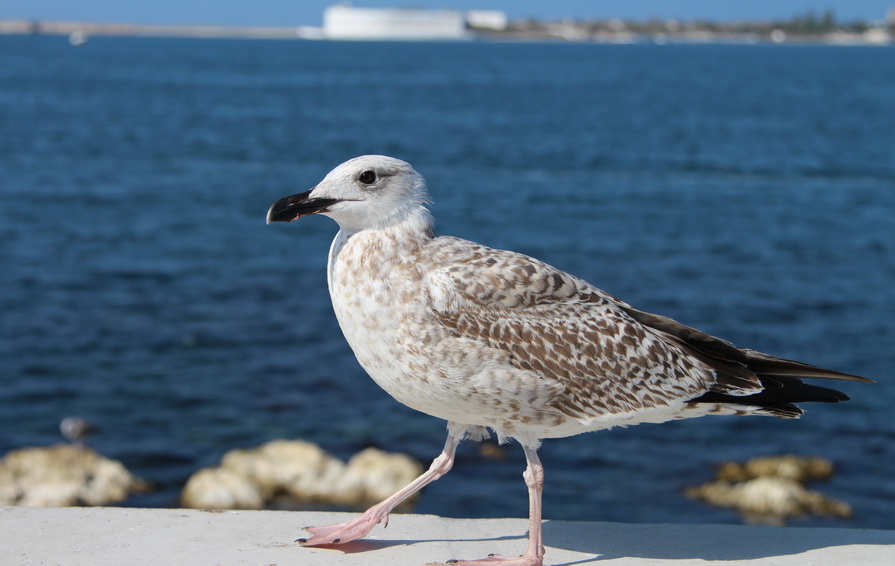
[812,23]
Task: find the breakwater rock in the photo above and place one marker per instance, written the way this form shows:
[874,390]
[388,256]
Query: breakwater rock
[64,475]
[771,489]
[300,471]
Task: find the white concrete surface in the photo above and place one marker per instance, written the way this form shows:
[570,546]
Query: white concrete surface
[171,537]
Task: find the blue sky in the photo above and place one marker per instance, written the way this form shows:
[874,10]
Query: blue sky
[308,12]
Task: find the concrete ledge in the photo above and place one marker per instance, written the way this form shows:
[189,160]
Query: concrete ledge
[124,536]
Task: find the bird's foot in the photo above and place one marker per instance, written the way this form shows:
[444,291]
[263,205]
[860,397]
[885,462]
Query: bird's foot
[348,531]
[492,559]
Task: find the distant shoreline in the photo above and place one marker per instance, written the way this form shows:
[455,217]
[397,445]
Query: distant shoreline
[611,32]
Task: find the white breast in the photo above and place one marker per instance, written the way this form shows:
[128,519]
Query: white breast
[370,301]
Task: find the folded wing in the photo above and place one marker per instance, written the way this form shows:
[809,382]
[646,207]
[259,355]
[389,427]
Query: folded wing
[608,356]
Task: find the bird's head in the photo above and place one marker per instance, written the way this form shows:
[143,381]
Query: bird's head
[371,191]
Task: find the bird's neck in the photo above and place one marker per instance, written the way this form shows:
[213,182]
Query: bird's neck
[411,228]
[395,241]
[417,226]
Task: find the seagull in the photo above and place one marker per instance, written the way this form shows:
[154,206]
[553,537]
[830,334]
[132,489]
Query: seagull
[76,429]
[494,340]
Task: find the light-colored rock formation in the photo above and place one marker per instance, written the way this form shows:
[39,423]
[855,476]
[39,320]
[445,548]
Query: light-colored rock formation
[301,471]
[64,475]
[797,468]
[770,490]
[220,488]
[372,475]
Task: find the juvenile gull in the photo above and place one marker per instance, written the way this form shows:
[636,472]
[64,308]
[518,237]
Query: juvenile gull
[493,339]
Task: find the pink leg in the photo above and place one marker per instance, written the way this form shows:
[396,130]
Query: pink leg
[534,556]
[352,530]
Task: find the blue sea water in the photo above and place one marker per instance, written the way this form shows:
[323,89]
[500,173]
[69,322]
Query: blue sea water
[745,190]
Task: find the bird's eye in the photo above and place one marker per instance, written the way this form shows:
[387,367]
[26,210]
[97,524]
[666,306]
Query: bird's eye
[367,177]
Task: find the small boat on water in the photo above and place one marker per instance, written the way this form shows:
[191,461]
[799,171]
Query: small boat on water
[77,38]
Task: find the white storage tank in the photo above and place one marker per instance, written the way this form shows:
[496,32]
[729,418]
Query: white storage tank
[345,22]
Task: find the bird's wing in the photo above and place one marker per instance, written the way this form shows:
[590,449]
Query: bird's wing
[718,349]
[568,331]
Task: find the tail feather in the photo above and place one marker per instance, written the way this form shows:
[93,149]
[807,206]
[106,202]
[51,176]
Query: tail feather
[780,393]
[747,377]
[771,365]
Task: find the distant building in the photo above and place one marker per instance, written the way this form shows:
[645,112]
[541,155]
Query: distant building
[345,22]
[487,19]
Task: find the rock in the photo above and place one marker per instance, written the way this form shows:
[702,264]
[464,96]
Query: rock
[770,500]
[219,488]
[372,475]
[301,471]
[64,475]
[797,468]
[492,451]
[771,489]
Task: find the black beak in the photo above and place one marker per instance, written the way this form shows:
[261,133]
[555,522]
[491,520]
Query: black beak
[294,207]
